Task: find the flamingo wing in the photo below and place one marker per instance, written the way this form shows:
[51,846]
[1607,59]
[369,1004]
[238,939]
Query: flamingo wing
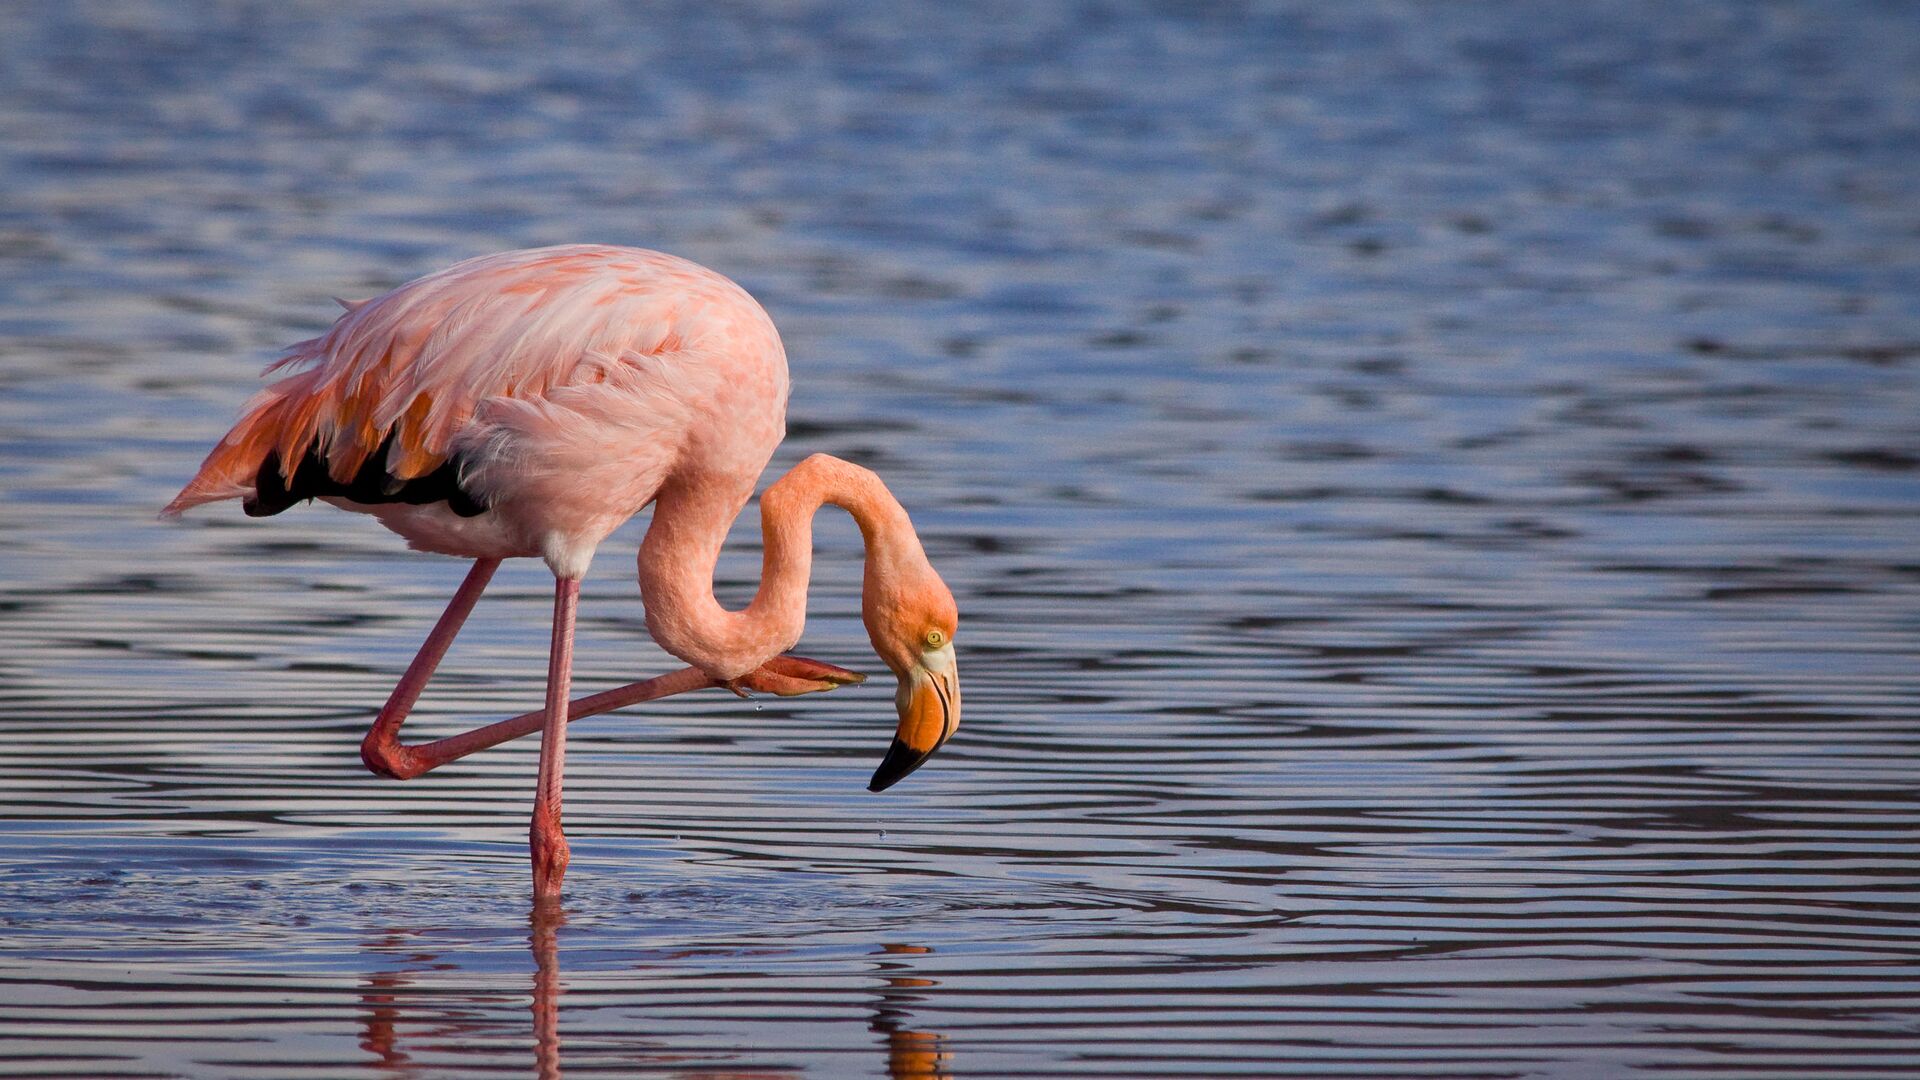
[373,407]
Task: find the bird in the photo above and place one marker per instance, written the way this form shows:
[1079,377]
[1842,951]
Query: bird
[523,405]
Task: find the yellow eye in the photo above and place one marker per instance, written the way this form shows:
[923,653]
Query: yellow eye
[935,639]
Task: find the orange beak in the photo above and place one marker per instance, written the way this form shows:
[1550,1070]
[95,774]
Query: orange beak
[929,704]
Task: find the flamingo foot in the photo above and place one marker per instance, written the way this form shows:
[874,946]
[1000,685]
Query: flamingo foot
[791,676]
[551,854]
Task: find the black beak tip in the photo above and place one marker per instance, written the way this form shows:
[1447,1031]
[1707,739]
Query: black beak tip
[901,759]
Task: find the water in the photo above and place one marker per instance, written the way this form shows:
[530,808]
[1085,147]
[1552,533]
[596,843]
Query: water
[1432,498]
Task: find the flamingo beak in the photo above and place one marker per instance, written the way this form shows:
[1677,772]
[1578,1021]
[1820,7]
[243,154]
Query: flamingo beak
[929,704]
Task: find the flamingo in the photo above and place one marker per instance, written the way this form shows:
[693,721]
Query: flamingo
[525,404]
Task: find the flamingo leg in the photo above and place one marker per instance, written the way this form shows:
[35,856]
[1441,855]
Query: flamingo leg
[381,749]
[425,757]
[548,843]
[783,675]
[385,755]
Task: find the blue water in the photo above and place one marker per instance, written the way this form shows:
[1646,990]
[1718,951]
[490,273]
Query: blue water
[1432,492]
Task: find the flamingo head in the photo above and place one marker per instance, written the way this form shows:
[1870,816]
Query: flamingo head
[911,620]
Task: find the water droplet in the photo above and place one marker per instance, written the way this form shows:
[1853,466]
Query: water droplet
[756,706]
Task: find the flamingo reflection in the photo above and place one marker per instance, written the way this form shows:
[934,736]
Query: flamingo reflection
[382,1010]
[399,1007]
[389,999]
[545,923]
[909,1052]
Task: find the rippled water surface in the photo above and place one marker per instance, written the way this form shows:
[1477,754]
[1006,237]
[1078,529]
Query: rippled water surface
[1434,496]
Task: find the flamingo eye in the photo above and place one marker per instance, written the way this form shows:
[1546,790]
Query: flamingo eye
[935,639]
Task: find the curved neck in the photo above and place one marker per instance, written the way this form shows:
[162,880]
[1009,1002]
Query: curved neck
[690,523]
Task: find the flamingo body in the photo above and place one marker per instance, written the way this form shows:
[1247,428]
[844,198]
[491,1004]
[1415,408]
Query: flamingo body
[527,403]
[555,388]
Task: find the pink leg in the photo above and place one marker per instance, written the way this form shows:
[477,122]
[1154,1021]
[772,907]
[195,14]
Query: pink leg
[386,756]
[786,676]
[428,756]
[546,838]
[550,851]
[381,749]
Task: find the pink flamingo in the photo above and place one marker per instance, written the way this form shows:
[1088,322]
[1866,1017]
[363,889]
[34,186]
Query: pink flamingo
[527,403]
